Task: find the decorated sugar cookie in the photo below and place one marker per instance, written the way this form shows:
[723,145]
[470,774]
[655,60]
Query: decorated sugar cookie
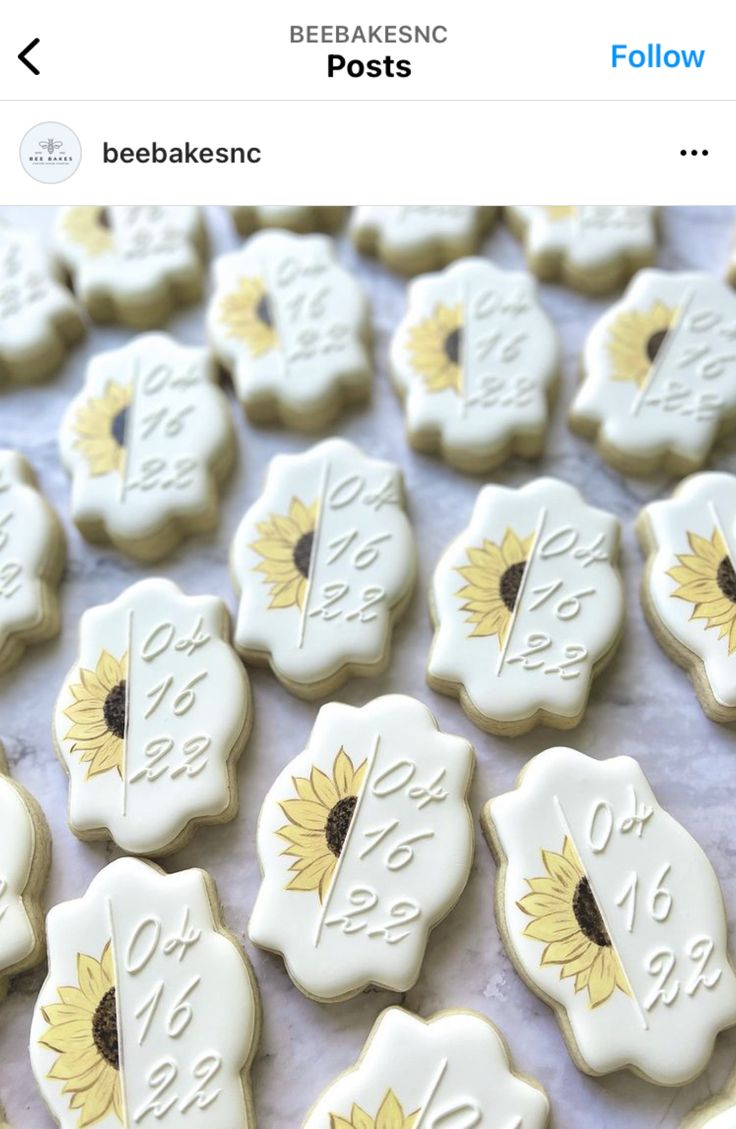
[410,239]
[39,319]
[612,913]
[593,248]
[291,327]
[149,1013]
[147,441]
[660,374]
[475,361]
[365,842]
[25,854]
[451,1070]
[689,586]
[289,217]
[32,552]
[133,264]
[324,563]
[152,718]
[717,1113]
[527,605]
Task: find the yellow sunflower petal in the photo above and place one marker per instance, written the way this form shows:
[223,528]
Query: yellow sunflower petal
[342,772]
[305,814]
[311,878]
[326,791]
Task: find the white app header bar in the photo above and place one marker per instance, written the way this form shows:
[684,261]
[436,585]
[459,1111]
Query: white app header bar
[293,50]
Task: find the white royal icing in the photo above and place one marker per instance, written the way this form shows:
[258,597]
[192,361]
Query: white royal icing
[450,1072]
[339,514]
[388,790]
[539,651]
[130,253]
[724,1120]
[145,439]
[404,230]
[289,323]
[658,900]
[493,384]
[676,402]
[17,848]
[186,1003]
[588,237]
[39,318]
[292,217]
[30,540]
[184,713]
[703,508]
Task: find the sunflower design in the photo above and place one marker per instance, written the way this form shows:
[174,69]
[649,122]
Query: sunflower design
[83,1030]
[101,425]
[567,918]
[98,714]
[89,227]
[707,580]
[248,314]
[285,542]
[319,821]
[635,339]
[390,1116]
[494,577]
[435,346]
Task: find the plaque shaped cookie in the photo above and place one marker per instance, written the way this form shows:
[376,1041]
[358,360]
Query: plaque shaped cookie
[32,553]
[451,1071]
[689,586]
[475,361]
[152,718]
[133,264]
[324,563]
[290,217]
[39,319]
[717,1113]
[291,327]
[593,248]
[365,842]
[25,854]
[527,605]
[413,238]
[613,915]
[149,1013]
[147,441]
[660,374]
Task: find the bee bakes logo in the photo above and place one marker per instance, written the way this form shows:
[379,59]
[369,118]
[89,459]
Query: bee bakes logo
[50,152]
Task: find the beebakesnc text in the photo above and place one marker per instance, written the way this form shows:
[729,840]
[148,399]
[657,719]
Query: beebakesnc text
[368,33]
[186,154]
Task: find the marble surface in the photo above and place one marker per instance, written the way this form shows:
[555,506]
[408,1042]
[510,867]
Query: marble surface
[642,705]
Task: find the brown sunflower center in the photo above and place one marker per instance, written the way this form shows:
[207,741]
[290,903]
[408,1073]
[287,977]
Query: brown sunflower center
[264,312]
[113,710]
[302,555]
[338,823]
[104,219]
[105,1028]
[453,344]
[654,344]
[118,426]
[726,579]
[511,583]
[588,916]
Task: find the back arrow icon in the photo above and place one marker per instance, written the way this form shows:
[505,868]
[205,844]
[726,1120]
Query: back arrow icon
[25,52]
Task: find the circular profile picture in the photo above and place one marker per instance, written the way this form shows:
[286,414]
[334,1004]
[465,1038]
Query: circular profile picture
[50,152]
